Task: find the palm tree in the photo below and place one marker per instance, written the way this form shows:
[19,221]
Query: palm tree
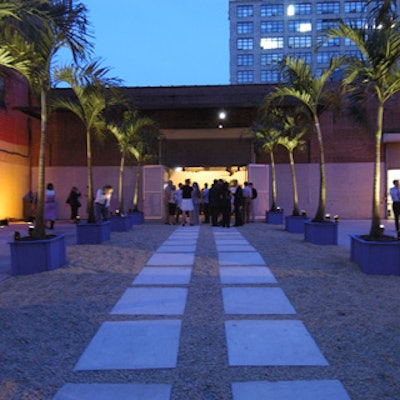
[51,26]
[376,73]
[91,87]
[130,132]
[291,139]
[267,139]
[312,93]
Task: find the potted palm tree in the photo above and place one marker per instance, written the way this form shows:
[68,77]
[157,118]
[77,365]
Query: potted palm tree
[41,29]
[311,93]
[376,73]
[91,87]
[267,135]
[291,139]
[127,131]
[144,148]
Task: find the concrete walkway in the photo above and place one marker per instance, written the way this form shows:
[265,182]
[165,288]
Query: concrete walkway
[161,288]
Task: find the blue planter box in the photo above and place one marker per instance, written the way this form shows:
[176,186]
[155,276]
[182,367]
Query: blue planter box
[375,257]
[295,223]
[93,233]
[274,217]
[33,256]
[137,217]
[324,233]
[120,223]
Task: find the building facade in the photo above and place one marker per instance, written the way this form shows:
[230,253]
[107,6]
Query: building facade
[262,32]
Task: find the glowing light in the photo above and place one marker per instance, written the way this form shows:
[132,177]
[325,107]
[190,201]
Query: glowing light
[290,10]
[269,43]
[305,27]
[222,115]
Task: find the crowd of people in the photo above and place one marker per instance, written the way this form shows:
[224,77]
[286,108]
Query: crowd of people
[186,203]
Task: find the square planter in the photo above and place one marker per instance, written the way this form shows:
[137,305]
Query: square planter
[120,223]
[323,233]
[137,217]
[93,233]
[295,223]
[274,217]
[33,256]
[375,257]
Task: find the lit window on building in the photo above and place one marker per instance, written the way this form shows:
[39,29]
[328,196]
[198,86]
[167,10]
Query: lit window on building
[244,11]
[245,44]
[299,9]
[353,7]
[272,10]
[325,24]
[299,42]
[329,7]
[271,43]
[245,77]
[357,23]
[322,41]
[306,56]
[271,59]
[244,27]
[300,26]
[269,76]
[272,27]
[245,60]
[324,57]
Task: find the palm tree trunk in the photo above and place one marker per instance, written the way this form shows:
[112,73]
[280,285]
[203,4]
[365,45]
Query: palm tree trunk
[320,215]
[40,230]
[296,210]
[273,205]
[375,230]
[120,183]
[90,204]
[136,193]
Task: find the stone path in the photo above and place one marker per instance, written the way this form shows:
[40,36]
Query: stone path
[161,289]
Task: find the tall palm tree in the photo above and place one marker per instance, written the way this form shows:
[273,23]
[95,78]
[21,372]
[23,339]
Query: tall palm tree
[91,88]
[312,93]
[131,132]
[267,139]
[291,139]
[376,73]
[53,25]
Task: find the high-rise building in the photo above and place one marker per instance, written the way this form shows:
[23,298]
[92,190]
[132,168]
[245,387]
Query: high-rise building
[262,32]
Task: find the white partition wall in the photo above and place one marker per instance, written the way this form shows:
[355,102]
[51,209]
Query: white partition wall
[153,187]
[258,174]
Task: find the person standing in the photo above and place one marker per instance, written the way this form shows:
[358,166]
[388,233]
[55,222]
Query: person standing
[226,207]
[172,206]
[254,195]
[238,203]
[50,205]
[74,203]
[247,194]
[395,195]
[187,202]
[196,198]
[206,203]
[102,203]
[167,196]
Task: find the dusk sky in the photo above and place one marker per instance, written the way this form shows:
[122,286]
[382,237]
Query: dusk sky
[162,42]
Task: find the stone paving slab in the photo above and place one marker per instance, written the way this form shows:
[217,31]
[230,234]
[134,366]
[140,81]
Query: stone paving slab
[290,390]
[243,275]
[104,391]
[151,301]
[176,248]
[271,343]
[240,258]
[171,259]
[231,242]
[234,247]
[163,276]
[256,300]
[132,345]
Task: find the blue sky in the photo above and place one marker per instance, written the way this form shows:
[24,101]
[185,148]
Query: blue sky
[162,42]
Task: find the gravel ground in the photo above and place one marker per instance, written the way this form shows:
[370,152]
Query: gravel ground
[48,319]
